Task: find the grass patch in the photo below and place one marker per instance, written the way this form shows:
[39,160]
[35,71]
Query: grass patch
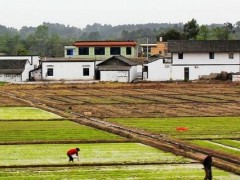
[227,142]
[15,113]
[90,153]
[50,130]
[163,172]
[198,127]
[217,147]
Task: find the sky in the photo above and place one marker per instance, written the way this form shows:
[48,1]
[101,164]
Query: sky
[79,13]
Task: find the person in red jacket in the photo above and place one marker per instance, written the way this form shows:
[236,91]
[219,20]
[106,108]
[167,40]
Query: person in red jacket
[72,152]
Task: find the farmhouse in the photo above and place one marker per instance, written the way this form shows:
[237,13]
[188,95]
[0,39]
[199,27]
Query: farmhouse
[119,69]
[101,50]
[17,68]
[192,60]
[68,69]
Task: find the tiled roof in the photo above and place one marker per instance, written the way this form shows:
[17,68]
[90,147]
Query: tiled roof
[12,66]
[60,59]
[104,43]
[204,46]
[113,61]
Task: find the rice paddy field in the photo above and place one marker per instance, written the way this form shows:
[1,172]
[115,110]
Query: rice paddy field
[34,142]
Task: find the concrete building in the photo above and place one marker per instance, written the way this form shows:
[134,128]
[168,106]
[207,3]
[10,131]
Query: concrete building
[17,68]
[101,50]
[118,69]
[55,69]
[191,60]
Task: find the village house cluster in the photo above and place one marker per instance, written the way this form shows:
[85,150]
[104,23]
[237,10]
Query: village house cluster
[126,61]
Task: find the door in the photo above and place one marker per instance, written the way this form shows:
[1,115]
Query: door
[186,73]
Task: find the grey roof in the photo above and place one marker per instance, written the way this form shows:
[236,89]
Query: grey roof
[12,66]
[204,46]
[114,68]
[123,61]
[60,59]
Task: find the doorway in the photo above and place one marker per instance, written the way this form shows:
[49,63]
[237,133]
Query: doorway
[186,73]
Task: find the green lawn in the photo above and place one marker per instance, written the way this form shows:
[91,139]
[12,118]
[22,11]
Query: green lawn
[15,113]
[227,142]
[217,147]
[156,172]
[90,153]
[198,127]
[12,131]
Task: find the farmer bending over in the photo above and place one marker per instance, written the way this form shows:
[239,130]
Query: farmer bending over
[72,152]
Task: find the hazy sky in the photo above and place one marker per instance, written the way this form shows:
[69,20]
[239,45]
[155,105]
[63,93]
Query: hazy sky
[79,13]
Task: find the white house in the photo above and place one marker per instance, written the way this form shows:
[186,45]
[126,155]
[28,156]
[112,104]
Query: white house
[193,59]
[17,68]
[68,69]
[158,69]
[119,69]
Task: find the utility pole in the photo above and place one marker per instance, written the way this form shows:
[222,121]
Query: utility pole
[147,48]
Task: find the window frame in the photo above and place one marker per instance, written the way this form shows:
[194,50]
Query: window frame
[99,49]
[83,51]
[86,70]
[211,55]
[231,55]
[180,55]
[114,51]
[50,72]
[128,50]
[69,50]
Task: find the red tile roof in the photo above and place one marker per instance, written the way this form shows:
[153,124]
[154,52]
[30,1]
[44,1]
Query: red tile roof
[104,43]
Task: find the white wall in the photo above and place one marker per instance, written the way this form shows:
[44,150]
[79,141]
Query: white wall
[199,64]
[32,63]
[68,70]
[10,78]
[158,71]
[114,76]
[133,73]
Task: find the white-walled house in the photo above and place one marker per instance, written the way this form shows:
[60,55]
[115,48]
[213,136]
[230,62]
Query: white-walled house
[192,60]
[118,69]
[72,69]
[17,68]
[158,69]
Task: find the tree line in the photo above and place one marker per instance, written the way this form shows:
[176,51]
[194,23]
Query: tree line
[49,39]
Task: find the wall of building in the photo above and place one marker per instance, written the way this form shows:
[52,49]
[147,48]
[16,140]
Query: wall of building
[68,70]
[10,78]
[199,64]
[98,57]
[158,71]
[161,48]
[133,73]
[114,76]
[32,63]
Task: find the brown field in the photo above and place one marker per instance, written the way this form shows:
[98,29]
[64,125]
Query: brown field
[133,100]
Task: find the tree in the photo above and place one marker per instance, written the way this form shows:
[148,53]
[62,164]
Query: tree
[224,32]
[203,33]
[171,34]
[191,29]
[38,41]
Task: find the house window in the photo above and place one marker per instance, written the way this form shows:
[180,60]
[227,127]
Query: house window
[231,55]
[85,71]
[128,50]
[83,51]
[115,50]
[99,51]
[69,52]
[211,55]
[180,55]
[50,72]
